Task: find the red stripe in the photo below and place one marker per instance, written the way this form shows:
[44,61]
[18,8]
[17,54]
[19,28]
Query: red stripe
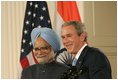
[34,58]
[68,10]
[24,63]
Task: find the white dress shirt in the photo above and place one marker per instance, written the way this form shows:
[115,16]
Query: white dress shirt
[78,54]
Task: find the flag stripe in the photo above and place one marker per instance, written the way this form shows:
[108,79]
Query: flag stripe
[30,59]
[34,58]
[59,21]
[68,10]
[24,62]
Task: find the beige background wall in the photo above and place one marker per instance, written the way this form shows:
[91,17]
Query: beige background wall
[101,24]
[99,17]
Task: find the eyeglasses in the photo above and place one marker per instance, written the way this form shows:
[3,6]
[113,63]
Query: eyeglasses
[42,49]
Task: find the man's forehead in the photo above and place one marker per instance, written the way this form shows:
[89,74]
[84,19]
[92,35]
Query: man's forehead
[68,28]
[68,31]
[40,41]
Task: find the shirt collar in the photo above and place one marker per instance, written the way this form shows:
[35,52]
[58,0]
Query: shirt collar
[78,54]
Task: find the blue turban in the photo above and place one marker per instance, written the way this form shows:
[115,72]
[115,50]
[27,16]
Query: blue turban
[48,35]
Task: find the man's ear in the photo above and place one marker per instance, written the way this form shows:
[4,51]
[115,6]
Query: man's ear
[83,36]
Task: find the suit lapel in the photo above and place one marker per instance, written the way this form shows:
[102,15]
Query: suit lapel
[81,58]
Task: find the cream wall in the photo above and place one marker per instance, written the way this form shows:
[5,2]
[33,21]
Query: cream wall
[12,14]
[101,31]
[101,24]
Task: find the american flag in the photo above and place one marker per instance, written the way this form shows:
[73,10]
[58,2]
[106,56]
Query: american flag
[36,15]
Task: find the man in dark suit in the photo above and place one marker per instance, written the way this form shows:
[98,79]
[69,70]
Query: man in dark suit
[45,44]
[91,62]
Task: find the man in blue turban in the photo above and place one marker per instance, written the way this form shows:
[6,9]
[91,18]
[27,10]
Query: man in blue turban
[45,44]
[44,38]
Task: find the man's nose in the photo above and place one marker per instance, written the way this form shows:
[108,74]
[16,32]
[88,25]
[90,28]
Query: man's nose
[39,52]
[65,40]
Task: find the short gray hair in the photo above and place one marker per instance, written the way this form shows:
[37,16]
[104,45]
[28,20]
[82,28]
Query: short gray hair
[79,26]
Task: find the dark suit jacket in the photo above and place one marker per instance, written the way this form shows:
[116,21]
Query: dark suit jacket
[94,64]
[51,70]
